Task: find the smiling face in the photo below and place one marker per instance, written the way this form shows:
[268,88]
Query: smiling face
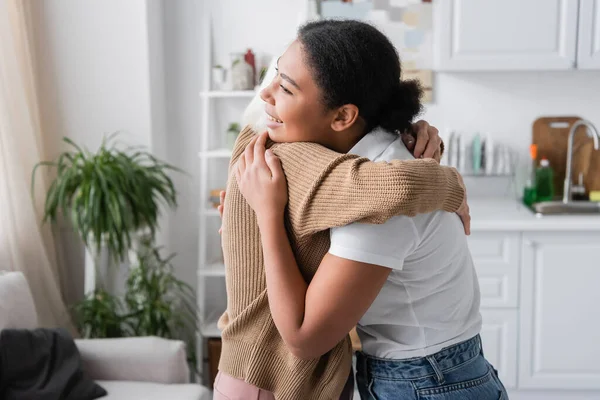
[337,81]
[294,110]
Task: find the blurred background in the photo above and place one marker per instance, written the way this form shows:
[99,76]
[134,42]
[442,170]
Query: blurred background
[507,82]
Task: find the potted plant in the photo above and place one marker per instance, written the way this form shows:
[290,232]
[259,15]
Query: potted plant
[155,303]
[158,303]
[219,77]
[99,315]
[109,196]
[263,73]
[232,133]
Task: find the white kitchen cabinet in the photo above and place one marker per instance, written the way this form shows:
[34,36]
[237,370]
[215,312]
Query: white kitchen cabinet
[480,35]
[588,50]
[499,339]
[559,324]
[496,256]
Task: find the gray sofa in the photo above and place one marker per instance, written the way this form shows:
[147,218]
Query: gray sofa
[140,368]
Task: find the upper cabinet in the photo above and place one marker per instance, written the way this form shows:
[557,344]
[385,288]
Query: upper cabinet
[588,46]
[504,35]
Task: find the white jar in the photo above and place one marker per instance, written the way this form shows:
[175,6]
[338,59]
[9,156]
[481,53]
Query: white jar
[219,77]
[241,73]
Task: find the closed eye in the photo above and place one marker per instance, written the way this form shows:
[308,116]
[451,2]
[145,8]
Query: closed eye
[285,90]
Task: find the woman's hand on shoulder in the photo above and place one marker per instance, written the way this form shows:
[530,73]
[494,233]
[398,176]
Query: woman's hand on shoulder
[428,142]
[261,180]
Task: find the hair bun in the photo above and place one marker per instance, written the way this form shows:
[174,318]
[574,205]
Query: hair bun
[402,107]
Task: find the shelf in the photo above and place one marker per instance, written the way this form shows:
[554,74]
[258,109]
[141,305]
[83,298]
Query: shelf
[216,269]
[210,330]
[217,153]
[474,175]
[229,94]
[210,212]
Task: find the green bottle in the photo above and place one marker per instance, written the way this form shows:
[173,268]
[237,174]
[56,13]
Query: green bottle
[529,196]
[544,181]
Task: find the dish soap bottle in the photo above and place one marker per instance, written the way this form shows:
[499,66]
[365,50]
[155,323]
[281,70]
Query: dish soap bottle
[544,181]
[529,195]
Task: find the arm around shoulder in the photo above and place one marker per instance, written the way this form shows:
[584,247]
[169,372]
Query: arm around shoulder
[328,189]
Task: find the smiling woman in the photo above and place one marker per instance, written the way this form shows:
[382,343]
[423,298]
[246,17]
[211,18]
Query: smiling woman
[290,98]
[341,84]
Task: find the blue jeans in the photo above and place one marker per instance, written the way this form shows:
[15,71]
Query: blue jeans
[456,372]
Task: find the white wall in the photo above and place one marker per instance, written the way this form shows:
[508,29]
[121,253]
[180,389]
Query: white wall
[266,26]
[93,63]
[100,70]
[183,69]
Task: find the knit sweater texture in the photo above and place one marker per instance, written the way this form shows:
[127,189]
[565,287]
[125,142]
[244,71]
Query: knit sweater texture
[326,189]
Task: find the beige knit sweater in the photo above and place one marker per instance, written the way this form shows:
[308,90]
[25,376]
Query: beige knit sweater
[326,189]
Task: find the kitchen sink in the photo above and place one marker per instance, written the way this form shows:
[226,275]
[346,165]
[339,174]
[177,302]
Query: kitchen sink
[573,207]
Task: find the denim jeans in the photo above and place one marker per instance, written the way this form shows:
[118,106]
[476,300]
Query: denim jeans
[456,372]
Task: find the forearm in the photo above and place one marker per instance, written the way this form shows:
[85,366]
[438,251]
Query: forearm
[286,287]
[328,189]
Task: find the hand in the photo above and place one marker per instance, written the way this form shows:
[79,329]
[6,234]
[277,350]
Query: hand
[220,208]
[463,211]
[261,180]
[429,144]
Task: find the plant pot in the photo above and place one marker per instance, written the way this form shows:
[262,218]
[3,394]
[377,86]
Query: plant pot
[230,138]
[242,74]
[219,78]
[101,271]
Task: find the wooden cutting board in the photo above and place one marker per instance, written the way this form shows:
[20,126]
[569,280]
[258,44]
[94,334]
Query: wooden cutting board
[551,134]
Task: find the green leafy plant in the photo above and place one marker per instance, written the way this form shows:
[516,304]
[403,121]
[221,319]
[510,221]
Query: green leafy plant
[99,315]
[156,303]
[234,127]
[159,303]
[109,195]
[261,76]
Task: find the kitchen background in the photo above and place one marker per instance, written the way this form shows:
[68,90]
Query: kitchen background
[137,66]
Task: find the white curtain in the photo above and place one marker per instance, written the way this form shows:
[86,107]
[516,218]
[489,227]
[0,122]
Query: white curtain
[25,244]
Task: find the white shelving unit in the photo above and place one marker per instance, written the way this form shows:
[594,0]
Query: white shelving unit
[215,269]
[211,296]
[217,153]
[229,94]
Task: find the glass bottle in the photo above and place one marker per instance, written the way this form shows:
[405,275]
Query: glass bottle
[544,181]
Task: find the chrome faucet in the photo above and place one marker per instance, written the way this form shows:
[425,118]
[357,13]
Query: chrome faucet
[591,132]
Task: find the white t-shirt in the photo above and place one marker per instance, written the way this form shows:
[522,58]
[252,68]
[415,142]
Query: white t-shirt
[431,298]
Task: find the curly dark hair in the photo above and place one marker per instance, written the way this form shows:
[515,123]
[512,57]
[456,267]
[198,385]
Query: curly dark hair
[354,63]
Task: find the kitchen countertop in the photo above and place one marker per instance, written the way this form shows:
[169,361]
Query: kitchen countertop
[507,214]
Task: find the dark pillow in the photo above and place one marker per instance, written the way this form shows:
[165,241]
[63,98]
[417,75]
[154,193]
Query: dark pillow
[43,364]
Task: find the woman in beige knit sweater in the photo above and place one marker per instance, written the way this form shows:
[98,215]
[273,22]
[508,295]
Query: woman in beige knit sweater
[409,283]
[326,189]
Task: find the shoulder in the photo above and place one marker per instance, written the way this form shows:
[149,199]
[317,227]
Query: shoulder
[396,150]
[306,149]
[384,244]
[244,137]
